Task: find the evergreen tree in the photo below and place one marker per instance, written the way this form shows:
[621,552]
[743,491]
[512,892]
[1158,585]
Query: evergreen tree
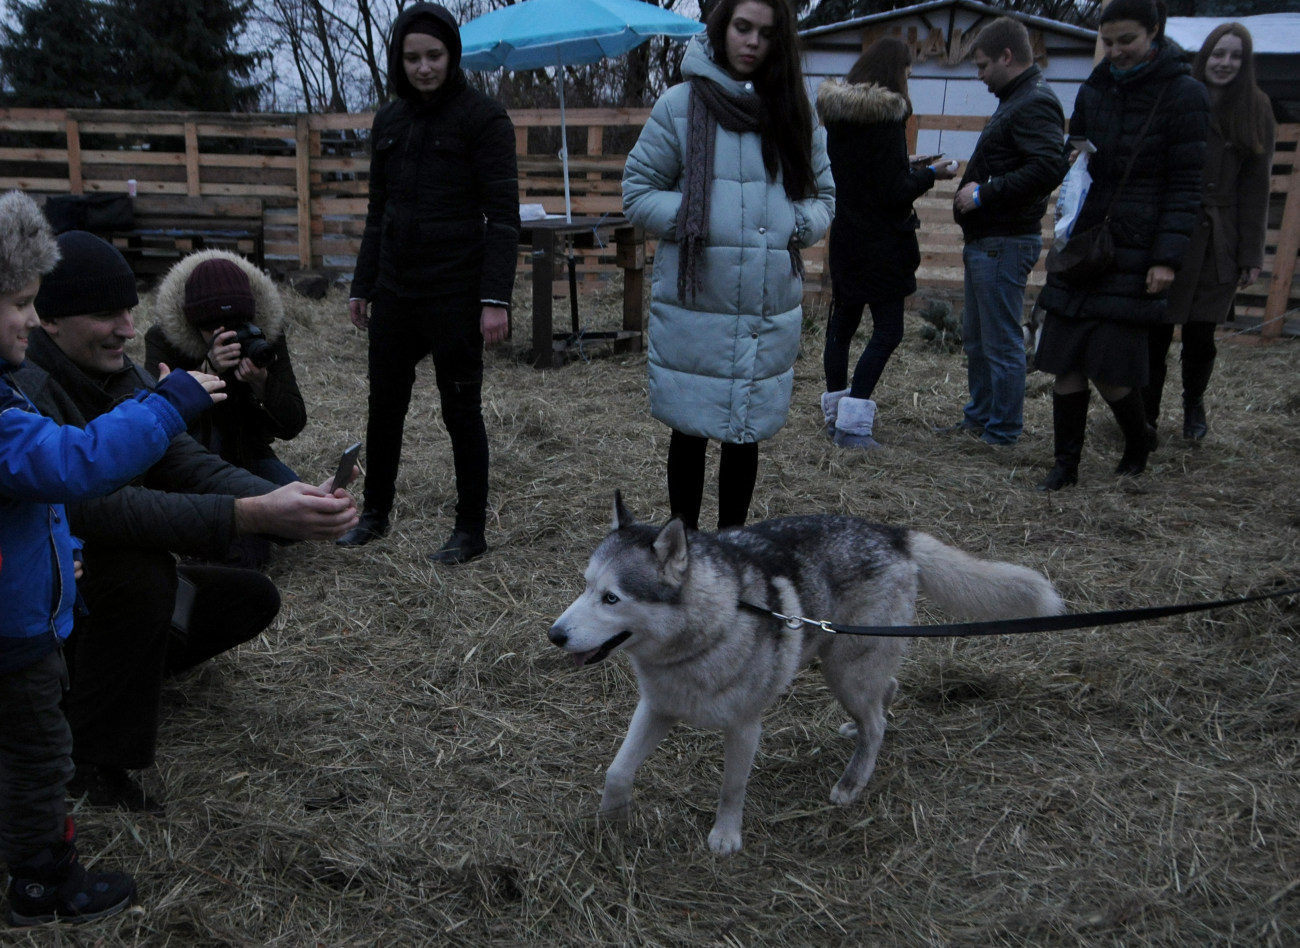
[179,54]
[54,56]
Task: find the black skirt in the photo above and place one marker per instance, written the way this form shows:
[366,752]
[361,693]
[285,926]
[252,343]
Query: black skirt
[1106,351]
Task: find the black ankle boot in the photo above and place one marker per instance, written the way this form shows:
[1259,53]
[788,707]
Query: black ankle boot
[1133,423]
[52,886]
[1069,423]
[372,525]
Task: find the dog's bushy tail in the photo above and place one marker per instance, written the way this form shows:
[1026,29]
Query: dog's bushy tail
[974,589]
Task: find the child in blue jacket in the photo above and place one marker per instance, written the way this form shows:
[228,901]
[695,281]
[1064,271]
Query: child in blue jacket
[42,466]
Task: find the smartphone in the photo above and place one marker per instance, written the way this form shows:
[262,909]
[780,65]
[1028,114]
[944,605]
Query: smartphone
[343,476]
[926,159]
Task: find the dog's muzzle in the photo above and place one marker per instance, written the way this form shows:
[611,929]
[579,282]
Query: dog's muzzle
[560,639]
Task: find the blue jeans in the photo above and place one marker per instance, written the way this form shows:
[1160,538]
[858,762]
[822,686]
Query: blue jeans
[273,470]
[997,270]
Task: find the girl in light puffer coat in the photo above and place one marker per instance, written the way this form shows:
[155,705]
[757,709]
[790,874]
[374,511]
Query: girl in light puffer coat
[730,175]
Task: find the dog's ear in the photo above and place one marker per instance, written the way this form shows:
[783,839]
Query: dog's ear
[672,552]
[622,518]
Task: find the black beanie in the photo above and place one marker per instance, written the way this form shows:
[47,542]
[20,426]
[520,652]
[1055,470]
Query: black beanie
[440,25]
[92,277]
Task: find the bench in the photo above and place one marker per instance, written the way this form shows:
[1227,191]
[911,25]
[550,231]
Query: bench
[167,227]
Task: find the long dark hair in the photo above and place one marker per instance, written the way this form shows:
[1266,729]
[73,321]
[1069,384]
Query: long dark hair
[786,126]
[884,64]
[1240,112]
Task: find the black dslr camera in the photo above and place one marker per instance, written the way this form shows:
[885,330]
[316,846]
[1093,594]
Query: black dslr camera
[253,345]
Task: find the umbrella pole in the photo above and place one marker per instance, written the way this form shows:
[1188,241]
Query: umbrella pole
[564,140]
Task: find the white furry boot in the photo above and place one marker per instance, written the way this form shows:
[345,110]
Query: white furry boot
[831,409]
[854,422]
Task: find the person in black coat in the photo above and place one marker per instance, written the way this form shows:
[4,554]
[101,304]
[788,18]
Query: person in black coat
[1096,329]
[873,247]
[437,261]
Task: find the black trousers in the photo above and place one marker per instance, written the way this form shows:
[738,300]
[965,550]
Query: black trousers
[402,333]
[35,759]
[121,652]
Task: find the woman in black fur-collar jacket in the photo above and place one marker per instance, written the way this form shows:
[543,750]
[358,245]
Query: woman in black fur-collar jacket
[873,247]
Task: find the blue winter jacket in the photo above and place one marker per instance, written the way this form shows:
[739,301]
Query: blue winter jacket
[44,465]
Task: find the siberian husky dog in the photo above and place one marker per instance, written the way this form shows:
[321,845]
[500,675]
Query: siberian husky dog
[693,613]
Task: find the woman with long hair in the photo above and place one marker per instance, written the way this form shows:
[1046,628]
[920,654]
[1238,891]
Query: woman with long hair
[731,177]
[874,252]
[1147,118]
[1227,247]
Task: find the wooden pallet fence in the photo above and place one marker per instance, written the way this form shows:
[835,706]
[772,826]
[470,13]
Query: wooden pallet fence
[310,171]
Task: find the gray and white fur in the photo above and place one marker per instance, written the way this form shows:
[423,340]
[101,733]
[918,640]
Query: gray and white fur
[672,600]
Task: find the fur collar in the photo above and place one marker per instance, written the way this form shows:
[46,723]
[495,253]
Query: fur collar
[169,303]
[869,104]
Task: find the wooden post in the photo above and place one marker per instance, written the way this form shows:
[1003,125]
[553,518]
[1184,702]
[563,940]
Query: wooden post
[302,146]
[630,242]
[192,160]
[543,309]
[73,131]
[1288,245]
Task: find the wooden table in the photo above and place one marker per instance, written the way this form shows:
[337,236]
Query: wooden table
[543,236]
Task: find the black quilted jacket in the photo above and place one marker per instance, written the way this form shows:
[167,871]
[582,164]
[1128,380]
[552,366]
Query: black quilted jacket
[443,217]
[1155,212]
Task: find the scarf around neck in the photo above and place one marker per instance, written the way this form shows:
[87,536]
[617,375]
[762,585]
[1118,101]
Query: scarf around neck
[710,106]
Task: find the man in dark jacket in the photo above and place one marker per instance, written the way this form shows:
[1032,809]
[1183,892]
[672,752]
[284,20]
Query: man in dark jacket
[437,261]
[1000,204]
[146,618]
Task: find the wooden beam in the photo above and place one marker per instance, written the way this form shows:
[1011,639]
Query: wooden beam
[303,143]
[192,185]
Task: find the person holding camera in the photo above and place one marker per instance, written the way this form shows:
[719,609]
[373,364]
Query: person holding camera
[215,310]
[148,616]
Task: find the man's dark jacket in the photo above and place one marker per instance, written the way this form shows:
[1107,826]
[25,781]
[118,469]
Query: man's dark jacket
[185,503]
[443,217]
[1018,161]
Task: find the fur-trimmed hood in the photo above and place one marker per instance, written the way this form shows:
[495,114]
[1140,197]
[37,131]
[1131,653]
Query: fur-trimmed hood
[169,302]
[27,246]
[861,104]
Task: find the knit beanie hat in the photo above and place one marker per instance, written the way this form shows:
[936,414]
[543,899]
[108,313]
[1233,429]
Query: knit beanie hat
[218,293]
[92,277]
[27,247]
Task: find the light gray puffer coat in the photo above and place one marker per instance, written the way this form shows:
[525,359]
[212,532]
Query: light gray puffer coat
[721,363]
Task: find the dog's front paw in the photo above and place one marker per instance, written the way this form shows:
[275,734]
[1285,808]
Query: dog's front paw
[845,793]
[724,842]
[849,729]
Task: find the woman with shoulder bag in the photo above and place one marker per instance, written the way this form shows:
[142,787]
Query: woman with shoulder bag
[874,252]
[1227,247]
[1148,119]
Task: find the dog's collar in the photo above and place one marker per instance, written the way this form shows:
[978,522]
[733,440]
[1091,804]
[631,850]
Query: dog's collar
[791,622]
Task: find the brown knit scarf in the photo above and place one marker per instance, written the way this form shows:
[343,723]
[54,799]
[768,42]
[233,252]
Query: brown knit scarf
[709,107]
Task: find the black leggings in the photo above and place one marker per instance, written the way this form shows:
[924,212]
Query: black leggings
[1198,342]
[886,334]
[737,472]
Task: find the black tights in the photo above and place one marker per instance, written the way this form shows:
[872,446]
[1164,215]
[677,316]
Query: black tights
[737,472]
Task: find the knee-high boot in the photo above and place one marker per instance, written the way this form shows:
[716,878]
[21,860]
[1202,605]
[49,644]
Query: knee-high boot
[1133,423]
[1152,392]
[1069,423]
[1196,376]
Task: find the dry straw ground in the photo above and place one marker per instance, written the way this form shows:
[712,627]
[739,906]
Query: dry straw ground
[403,759]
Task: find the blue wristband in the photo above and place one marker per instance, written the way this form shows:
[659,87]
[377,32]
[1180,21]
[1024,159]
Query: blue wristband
[976,196]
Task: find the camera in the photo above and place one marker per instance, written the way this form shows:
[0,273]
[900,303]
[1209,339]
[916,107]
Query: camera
[253,345]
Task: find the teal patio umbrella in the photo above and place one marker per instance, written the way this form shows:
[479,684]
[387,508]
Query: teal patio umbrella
[538,34]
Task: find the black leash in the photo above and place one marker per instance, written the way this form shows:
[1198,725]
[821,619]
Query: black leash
[1083,620]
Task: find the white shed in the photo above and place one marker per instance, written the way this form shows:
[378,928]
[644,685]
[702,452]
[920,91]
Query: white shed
[944,82]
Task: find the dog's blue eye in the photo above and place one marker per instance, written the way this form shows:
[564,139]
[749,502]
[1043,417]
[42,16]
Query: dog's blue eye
[609,599]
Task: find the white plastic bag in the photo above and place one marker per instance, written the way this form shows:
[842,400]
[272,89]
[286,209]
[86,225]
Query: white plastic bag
[1074,189]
